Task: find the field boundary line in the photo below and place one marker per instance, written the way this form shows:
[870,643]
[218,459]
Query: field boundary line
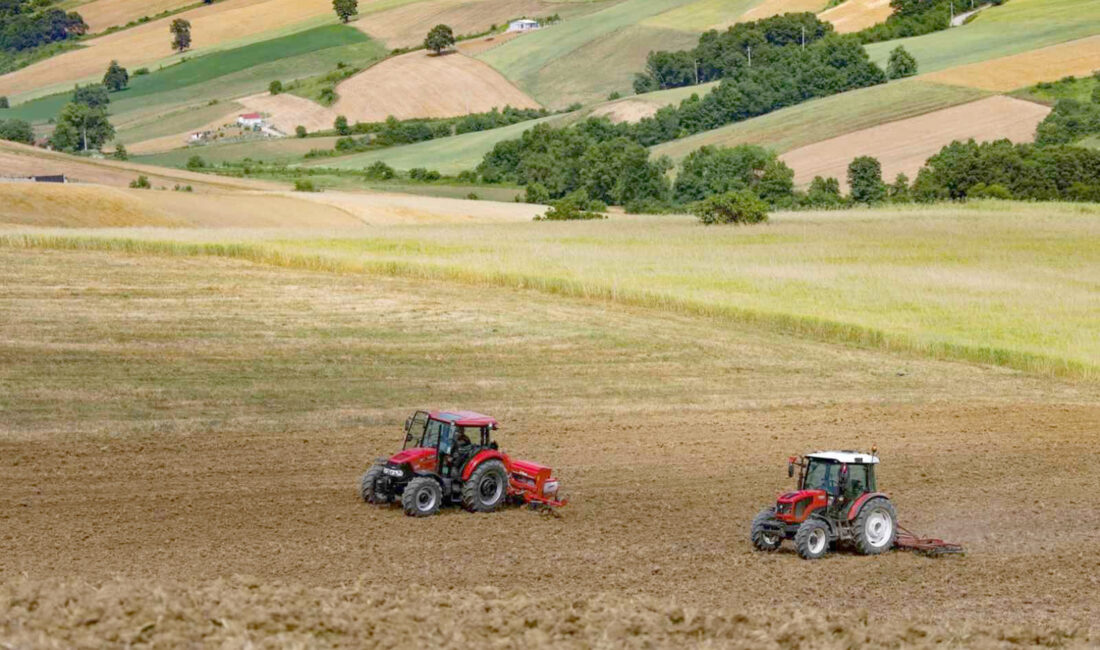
[808,327]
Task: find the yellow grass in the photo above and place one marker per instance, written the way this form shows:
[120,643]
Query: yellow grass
[1000,283]
[102,14]
[701,15]
[1080,57]
[211,26]
[904,146]
[407,25]
[422,85]
[855,15]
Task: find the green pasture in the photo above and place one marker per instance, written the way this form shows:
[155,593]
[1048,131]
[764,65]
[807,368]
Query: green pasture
[277,151]
[1014,27]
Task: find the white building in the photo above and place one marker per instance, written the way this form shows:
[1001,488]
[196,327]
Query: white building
[251,120]
[523,25]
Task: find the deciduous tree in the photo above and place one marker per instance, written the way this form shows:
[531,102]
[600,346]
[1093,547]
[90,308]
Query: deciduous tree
[345,9]
[439,38]
[181,34]
[116,78]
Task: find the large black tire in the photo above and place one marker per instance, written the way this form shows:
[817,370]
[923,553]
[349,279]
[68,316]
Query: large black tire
[876,527]
[487,488]
[422,497]
[367,483]
[762,540]
[812,539]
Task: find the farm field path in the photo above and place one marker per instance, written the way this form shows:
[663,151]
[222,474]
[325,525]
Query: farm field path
[181,426]
[904,146]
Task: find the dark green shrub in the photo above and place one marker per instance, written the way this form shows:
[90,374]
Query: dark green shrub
[741,206]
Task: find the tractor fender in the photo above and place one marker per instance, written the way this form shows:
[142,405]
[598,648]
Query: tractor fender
[481,457]
[863,500]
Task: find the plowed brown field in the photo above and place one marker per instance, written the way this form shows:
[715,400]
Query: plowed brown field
[182,438]
[422,85]
[904,146]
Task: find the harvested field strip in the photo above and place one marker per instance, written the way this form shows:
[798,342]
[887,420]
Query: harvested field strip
[828,117]
[102,14]
[1076,58]
[855,15]
[903,147]
[282,150]
[219,25]
[1015,27]
[769,8]
[418,85]
[406,26]
[701,15]
[809,327]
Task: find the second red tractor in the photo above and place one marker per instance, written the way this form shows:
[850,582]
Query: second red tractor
[836,501]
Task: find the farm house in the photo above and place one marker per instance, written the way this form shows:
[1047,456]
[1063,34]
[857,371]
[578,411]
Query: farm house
[523,25]
[251,120]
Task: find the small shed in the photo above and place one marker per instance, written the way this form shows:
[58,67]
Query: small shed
[523,25]
[251,120]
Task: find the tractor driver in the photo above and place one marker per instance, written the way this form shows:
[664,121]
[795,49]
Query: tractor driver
[463,449]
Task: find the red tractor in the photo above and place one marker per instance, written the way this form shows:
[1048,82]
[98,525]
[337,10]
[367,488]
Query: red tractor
[450,457]
[835,502]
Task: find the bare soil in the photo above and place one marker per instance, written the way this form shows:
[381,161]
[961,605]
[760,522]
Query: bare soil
[182,439]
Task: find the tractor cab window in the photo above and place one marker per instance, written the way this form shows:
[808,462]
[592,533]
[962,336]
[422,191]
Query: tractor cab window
[822,475]
[434,433]
[858,481]
[414,429]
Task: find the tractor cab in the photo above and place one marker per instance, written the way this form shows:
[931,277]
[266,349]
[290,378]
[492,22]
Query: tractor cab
[445,441]
[845,475]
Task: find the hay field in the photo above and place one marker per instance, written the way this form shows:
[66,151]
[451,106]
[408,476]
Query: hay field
[855,15]
[406,26]
[218,25]
[21,160]
[286,112]
[182,437]
[1076,58]
[421,85]
[101,14]
[268,150]
[1015,27]
[829,117]
[96,206]
[769,8]
[905,145]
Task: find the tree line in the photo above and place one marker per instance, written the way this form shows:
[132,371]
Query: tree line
[25,24]
[918,17]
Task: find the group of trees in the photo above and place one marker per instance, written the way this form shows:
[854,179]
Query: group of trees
[25,24]
[1071,120]
[722,54]
[83,124]
[917,17]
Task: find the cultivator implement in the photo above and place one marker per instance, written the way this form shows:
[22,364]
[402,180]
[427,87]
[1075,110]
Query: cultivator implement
[908,541]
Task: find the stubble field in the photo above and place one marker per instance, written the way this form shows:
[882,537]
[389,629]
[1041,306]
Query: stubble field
[181,439]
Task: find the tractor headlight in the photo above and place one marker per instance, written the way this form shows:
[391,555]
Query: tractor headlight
[393,471]
[550,487]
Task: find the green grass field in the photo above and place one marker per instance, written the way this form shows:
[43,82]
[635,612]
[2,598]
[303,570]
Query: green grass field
[1080,89]
[1015,27]
[228,73]
[701,15]
[446,155]
[279,151]
[1004,283]
[173,122]
[521,59]
[829,117]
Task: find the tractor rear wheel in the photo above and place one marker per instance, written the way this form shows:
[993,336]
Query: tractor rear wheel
[876,527]
[367,485]
[422,497]
[762,538]
[812,539]
[487,487]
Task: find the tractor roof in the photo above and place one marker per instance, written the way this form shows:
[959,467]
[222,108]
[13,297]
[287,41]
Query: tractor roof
[464,418]
[848,457]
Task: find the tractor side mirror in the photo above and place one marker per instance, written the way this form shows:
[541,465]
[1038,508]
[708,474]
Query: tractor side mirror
[790,470]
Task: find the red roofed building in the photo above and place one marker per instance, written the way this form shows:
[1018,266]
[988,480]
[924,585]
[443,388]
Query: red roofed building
[251,120]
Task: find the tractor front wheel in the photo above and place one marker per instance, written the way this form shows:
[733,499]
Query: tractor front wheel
[422,497]
[487,487]
[876,527]
[368,483]
[812,539]
[763,538]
